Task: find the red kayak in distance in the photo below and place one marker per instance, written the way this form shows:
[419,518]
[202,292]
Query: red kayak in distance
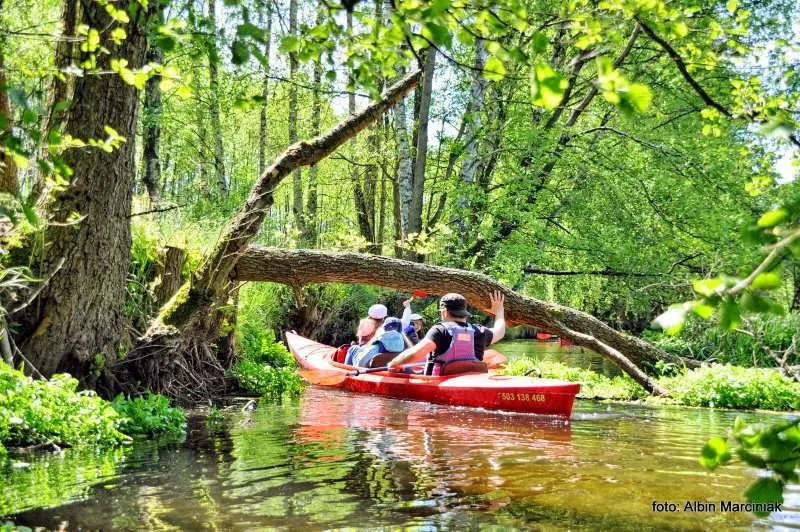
[480,390]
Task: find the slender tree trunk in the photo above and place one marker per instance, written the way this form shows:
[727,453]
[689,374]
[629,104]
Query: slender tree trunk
[151,118]
[316,112]
[472,164]
[421,153]
[404,168]
[263,129]
[8,170]
[297,178]
[77,319]
[61,85]
[213,95]
[300,267]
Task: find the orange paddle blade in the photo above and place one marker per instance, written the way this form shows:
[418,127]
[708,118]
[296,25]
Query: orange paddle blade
[493,359]
[419,293]
[323,377]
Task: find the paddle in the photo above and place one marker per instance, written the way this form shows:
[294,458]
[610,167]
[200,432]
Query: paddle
[330,377]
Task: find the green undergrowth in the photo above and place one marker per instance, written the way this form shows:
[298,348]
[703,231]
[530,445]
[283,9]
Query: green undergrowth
[38,411]
[714,386]
[149,415]
[264,366]
[593,384]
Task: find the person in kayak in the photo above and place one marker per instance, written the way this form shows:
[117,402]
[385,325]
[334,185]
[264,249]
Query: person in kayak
[454,342]
[412,322]
[387,342]
[367,326]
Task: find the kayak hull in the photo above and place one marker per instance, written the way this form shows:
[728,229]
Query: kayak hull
[480,390]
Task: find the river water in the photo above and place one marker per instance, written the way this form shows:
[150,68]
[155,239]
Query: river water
[332,460]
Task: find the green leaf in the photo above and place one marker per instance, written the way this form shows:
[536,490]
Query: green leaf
[438,34]
[547,86]
[702,310]
[240,51]
[732,5]
[707,287]
[766,281]
[494,70]
[773,217]
[167,43]
[639,96]
[715,453]
[540,41]
[755,303]
[765,490]
[729,315]
[289,44]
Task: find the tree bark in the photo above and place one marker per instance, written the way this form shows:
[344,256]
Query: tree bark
[211,281]
[263,126]
[297,177]
[421,153]
[213,94]
[310,235]
[301,267]
[170,272]
[78,315]
[151,118]
[404,168]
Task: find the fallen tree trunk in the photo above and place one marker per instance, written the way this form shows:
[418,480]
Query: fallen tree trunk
[301,267]
[179,354]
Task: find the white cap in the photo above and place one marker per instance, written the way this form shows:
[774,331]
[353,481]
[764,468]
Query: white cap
[377,311]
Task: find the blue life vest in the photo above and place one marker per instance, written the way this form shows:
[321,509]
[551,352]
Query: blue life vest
[389,342]
[462,346]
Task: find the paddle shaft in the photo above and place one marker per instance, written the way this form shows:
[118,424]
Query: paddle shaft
[357,372]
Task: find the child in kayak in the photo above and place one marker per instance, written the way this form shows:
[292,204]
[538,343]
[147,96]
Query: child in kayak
[387,342]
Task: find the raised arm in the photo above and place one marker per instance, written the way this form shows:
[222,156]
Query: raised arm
[499,328]
[405,319]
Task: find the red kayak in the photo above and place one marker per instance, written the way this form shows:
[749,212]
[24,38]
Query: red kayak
[481,390]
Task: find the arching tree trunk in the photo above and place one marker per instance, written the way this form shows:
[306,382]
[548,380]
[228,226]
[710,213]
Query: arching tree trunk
[300,267]
[189,322]
[77,320]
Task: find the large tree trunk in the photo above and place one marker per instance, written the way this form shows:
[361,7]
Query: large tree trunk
[167,356]
[78,315]
[301,267]
[213,94]
[151,118]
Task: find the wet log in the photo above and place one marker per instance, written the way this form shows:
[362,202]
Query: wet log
[301,267]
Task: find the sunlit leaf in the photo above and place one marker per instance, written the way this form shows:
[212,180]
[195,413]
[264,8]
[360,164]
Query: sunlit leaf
[766,281]
[715,453]
[547,86]
[773,217]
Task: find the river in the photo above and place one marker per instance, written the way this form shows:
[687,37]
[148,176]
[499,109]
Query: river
[332,459]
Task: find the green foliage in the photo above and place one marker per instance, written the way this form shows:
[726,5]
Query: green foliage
[149,415]
[593,384]
[264,367]
[773,447]
[740,347]
[34,411]
[724,386]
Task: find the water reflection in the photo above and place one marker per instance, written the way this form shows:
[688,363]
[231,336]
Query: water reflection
[334,459]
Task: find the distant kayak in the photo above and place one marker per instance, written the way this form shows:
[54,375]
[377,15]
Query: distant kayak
[481,390]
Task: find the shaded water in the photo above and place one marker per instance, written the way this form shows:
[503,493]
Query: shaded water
[332,459]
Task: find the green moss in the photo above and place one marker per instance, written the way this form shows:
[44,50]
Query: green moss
[177,310]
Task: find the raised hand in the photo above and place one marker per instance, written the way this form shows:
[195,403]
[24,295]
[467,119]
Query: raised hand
[497,299]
